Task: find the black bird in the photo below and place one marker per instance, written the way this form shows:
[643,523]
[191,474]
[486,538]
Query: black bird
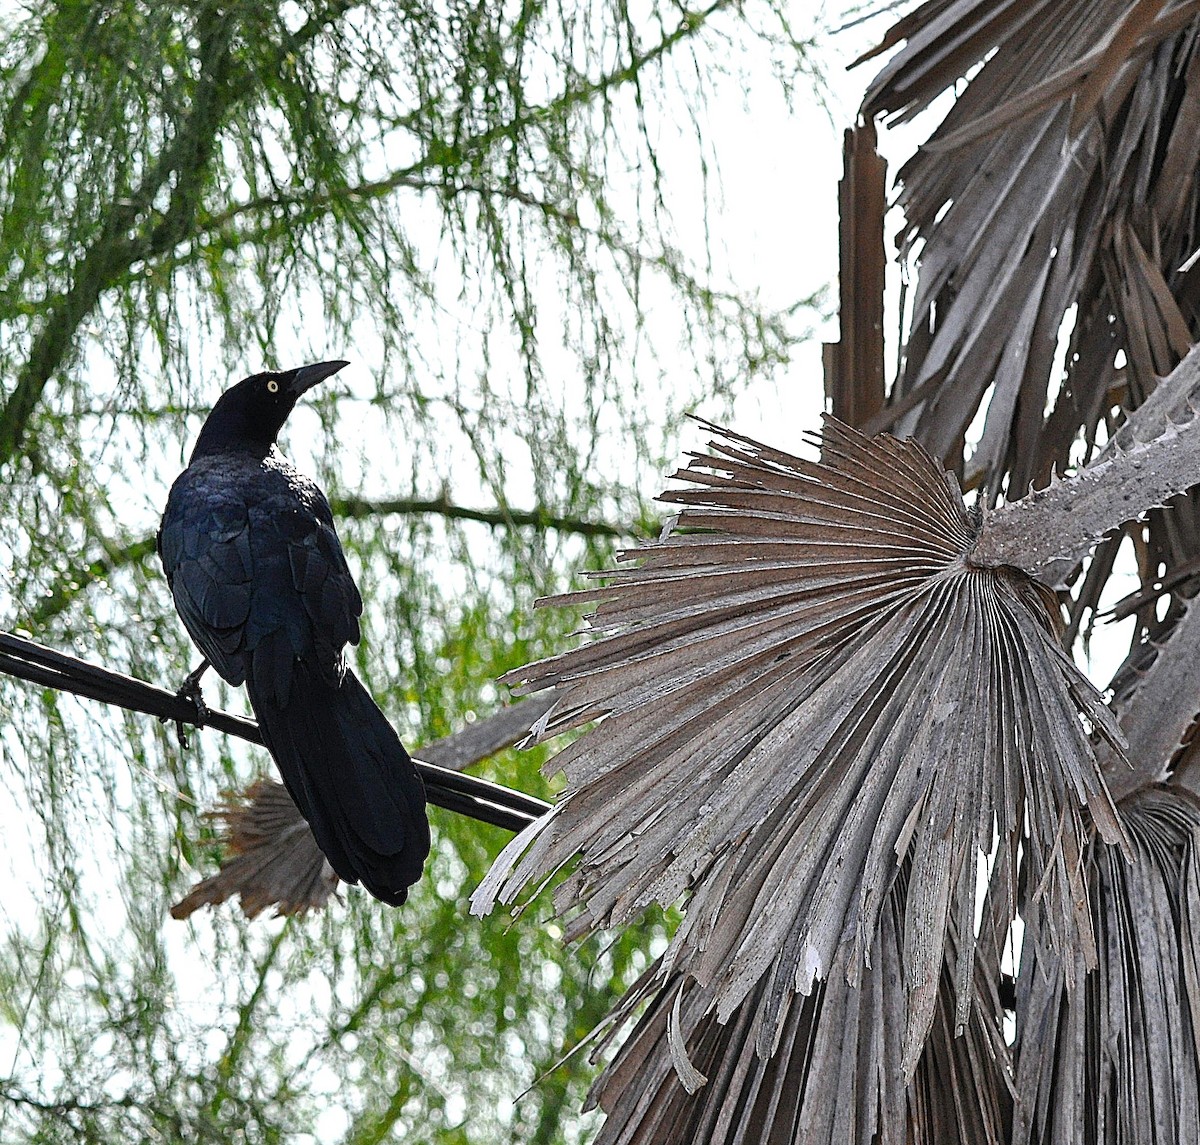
[261,584]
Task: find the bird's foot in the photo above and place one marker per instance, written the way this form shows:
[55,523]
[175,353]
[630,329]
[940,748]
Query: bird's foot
[190,690]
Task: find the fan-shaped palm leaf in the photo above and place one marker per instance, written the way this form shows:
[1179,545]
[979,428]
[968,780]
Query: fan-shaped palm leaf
[1059,194]
[272,860]
[807,682]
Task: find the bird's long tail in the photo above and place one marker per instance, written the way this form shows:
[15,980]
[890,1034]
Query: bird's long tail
[351,778]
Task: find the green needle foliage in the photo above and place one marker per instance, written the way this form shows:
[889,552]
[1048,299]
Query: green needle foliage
[472,202]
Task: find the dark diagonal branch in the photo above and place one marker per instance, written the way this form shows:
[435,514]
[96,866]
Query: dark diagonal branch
[125,240]
[120,243]
[465,794]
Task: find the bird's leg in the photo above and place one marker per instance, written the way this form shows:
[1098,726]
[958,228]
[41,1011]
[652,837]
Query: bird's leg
[190,690]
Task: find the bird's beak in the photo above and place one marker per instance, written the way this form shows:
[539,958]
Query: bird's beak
[308,376]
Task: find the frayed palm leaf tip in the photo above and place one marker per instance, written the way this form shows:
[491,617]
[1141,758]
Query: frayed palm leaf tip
[272,858]
[1121,1062]
[806,683]
[681,1075]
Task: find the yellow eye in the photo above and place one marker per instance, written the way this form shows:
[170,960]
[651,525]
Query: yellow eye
[273,387]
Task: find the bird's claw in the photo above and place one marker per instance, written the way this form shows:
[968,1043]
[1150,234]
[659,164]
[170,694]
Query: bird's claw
[190,690]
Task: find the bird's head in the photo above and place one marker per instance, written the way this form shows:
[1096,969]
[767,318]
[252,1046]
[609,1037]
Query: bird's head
[249,415]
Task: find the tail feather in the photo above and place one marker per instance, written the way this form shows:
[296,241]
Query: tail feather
[350,776]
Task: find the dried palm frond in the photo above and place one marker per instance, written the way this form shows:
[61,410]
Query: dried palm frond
[854,377]
[807,682]
[1158,706]
[272,860]
[1155,455]
[1114,1055]
[1062,185]
[837,1075]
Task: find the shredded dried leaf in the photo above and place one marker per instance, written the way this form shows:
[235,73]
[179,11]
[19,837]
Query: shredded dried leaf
[806,684]
[1114,1055]
[272,858]
[837,1075]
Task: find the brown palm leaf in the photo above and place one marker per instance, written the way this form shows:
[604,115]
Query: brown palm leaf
[854,374]
[1159,710]
[1154,455]
[1114,1055]
[272,859]
[836,1076]
[1068,156]
[805,683]
[1065,178]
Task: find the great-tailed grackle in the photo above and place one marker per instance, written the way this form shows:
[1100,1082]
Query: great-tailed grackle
[262,586]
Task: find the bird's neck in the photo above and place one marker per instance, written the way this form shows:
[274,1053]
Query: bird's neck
[216,440]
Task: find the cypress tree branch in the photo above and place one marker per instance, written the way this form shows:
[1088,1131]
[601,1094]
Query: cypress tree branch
[67,1106]
[120,245]
[117,556]
[66,588]
[439,152]
[116,249]
[500,517]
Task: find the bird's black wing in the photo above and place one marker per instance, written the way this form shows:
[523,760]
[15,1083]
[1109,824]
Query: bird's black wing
[304,604]
[204,545]
[257,572]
